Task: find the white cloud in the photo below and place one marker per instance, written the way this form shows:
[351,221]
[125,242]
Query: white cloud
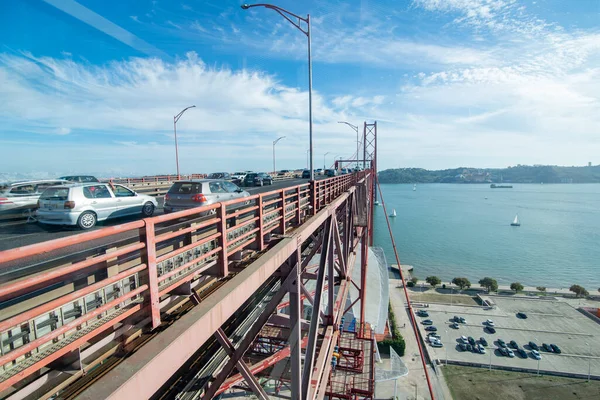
[131,104]
[135,18]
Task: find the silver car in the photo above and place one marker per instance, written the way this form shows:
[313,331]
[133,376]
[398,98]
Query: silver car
[193,193]
[84,204]
[22,197]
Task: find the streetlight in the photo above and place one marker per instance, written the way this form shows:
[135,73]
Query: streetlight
[491,351]
[357,141]
[307,153]
[175,119]
[274,143]
[286,14]
[324,165]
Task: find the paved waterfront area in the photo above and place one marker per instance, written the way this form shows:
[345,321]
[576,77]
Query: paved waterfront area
[549,321]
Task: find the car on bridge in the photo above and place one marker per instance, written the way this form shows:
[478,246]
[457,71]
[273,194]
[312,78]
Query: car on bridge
[22,197]
[80,178]
[258,179]
[219,175]
[193,193]
[306,174]
[330,172]
[84,204]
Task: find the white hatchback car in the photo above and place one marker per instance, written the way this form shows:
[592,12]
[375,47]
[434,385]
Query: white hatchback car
[84,204]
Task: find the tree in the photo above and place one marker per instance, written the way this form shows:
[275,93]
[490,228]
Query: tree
[541,289]
[516,286]
[490,284]
[414,280]
[579,291]
[433,280]
[461,283]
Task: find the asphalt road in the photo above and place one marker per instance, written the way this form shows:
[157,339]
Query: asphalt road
[26,234]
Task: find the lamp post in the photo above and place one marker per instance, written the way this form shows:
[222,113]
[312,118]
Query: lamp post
[491,351]
[357,141]
[325,166]
[274,143]
[175,119]
[288,15]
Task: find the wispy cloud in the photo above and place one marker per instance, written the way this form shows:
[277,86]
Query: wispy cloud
[131,103]
[135,18]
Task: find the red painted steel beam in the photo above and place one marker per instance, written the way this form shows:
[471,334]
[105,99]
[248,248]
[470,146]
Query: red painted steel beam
[146,370]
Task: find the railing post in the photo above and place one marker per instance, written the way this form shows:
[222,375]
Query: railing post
[223,262]
[261,224]
[150,242]
[313,197]
[282,224]
[298,210]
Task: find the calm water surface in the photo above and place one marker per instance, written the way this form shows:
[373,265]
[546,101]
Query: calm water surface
[452,230]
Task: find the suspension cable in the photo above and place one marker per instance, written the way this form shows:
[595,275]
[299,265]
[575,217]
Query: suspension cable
[410,310]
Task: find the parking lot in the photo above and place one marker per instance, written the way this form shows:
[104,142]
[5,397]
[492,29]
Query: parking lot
[548,321]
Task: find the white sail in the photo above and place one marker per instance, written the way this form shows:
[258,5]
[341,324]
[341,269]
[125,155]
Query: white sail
[516,221]
[414,187]
[393,214]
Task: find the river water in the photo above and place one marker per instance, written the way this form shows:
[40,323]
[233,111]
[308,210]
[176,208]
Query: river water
[452,230]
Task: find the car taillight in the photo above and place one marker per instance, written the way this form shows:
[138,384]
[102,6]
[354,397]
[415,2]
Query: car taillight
[4,200]
[199,198]
[167,198]
[69,204]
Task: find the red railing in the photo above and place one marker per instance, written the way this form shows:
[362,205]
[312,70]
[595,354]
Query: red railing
[158,255]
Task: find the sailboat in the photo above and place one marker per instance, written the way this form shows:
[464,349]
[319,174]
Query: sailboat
[516,221]
[393,214]
[414,187]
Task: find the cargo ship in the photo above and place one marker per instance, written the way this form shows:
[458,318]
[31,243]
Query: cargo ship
[494,186]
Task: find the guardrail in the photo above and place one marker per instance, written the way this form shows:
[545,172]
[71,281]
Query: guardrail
[50,314]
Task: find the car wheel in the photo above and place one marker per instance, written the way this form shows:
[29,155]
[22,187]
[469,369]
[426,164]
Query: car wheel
[148,209]
[270,183]
[87,220]
[261,183]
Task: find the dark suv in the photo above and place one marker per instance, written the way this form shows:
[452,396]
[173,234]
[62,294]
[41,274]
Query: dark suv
[219,175]
[258,179]
[306,174]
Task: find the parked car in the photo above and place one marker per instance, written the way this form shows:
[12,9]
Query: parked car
[331,172]
[258,179]
[470,347]
[490,329]
[22,197]
[514,344]
[462,320]
[462,346]
[533,346]
[511,354]
[463,339]
[219,175]
[522,315]
[522,353]
[422,313]
[437,344]
[80,178]
[501,343]
[427,322]
[431,328]
[433,335]
[306,174]
[471,340]
[480,349]
[536,354]
[547,348]
[503,351]
[454,325]
[84,204]
[483,341]
[489,322]
[556,349]
[192,193]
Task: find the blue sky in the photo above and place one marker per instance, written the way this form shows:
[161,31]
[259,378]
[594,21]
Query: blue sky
[92,87]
